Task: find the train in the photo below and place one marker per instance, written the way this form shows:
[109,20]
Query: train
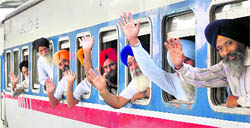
[62,22]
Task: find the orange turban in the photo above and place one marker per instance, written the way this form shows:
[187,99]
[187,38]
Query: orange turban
[80,56]
[108,53]
[60,55]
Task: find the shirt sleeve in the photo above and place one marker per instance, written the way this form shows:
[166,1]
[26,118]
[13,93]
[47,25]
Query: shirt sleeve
[129,91]
[59,90]
[167,81]
[244,101]
[41,72]
[83,87]
[215,76]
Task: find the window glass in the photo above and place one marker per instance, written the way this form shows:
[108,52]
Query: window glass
[8,69]
[35,86]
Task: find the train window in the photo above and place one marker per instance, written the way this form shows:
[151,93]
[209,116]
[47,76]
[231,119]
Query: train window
[51,49]
[25,56]
[108,38]
[63,44]
[239,10]
[16,61]
[145,37]
[180,25]
[8,63]
[35,84]
[80,73]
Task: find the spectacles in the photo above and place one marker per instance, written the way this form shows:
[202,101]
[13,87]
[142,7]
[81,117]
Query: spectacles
[110,65]
[63,61]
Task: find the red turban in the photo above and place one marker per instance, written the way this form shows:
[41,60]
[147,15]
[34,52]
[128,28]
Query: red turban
[80,56]
[60,55]
[108,53]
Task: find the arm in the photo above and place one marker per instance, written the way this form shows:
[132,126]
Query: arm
[14,79]
[70,77]
[99,83]
[87,45]
[244,101]
[50,86]
[166,81]
[140,95]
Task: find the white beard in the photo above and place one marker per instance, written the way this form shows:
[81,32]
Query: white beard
[47,58]
[141,81]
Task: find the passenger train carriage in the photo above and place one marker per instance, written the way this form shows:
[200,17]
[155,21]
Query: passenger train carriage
[64,21]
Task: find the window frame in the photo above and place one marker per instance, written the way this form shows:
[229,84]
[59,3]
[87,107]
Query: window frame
[143,31]
[8,85]
[100,42]
[165,66]
[77,47]
[22,59]
[212,52]
[35,87]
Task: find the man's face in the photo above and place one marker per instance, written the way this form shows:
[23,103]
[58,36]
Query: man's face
[233,54]
[43,51]
[225,46]
[133,66]
[188,61]
[25,71]
[111,69]
[64,65]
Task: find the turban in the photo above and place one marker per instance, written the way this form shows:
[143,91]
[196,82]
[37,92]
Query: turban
[108,53]
[229,28]
[60,55]
[23,64]
[40,42]
[127,50]
[80,56]
[188,48]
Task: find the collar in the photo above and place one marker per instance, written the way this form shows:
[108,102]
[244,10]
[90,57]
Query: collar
[247,57]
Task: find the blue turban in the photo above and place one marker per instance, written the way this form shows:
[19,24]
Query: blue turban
[127,50]
[230,28]
[188,48]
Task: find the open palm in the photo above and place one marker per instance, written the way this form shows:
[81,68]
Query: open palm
[98,81]
[130,30]
[175,52]
[50,85]
[86,43]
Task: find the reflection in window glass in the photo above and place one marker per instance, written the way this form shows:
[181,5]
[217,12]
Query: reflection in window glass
[8,69]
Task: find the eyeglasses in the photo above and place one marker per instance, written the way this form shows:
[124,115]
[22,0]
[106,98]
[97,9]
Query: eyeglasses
[63,61]
[111,64]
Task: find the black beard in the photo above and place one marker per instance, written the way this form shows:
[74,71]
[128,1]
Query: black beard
[236,65]
[112,77]
[65,68]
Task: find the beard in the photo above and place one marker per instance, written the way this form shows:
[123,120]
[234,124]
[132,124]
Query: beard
[112,77]
[235,65]
[47,58]
[140,80]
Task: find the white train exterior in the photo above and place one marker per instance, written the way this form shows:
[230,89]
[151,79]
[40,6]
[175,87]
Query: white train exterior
[63,21]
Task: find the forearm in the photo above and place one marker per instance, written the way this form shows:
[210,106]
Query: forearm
[53,101]
[87,62]
[112,100]
[71,101]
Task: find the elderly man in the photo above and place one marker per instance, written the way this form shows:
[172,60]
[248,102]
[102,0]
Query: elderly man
[16,90]
[230,38]
[61,59]
[169,82]
[44,62]
[138,86]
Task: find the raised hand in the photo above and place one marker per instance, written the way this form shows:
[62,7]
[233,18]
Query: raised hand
[86,43]
[175,52]
[14,79]
[232,101]
[50,85]
[69,75]
[130,30]
[98,81]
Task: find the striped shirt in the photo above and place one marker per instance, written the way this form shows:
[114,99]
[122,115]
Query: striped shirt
[219,75]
